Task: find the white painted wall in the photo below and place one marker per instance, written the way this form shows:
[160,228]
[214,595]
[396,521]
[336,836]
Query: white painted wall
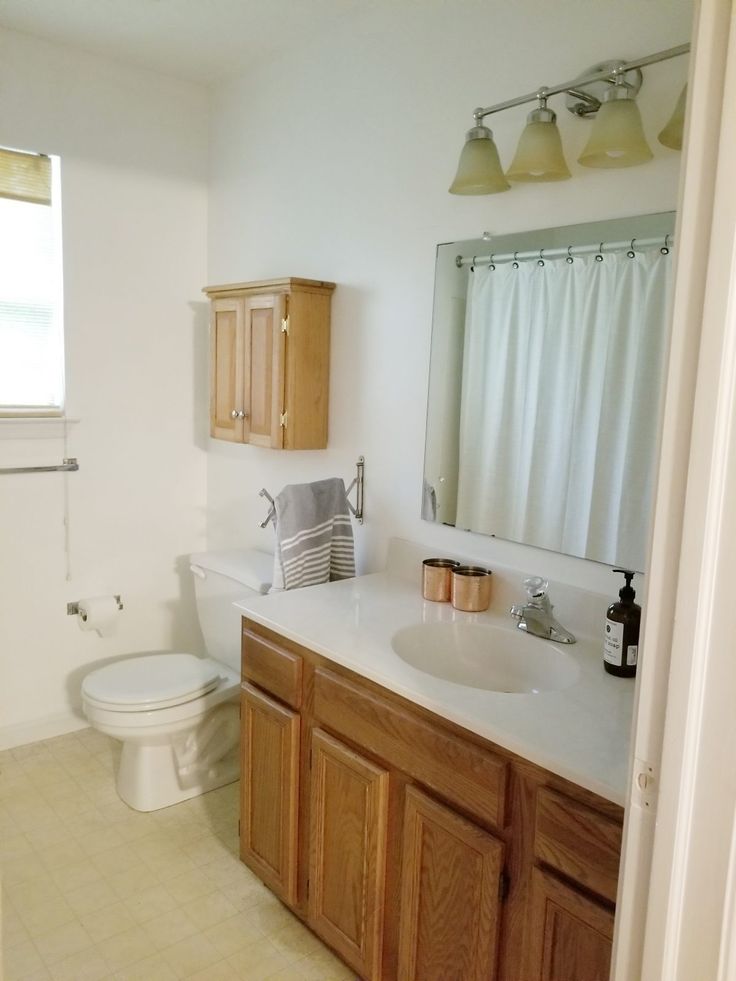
[333,161]
[133,147]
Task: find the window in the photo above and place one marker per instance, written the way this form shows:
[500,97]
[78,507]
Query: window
[31,309]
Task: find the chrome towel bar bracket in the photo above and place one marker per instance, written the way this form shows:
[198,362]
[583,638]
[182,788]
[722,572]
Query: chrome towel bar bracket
[356,510]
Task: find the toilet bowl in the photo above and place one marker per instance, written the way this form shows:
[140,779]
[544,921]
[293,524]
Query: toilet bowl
[177,715]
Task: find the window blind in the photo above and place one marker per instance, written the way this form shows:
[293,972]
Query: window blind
[25,176]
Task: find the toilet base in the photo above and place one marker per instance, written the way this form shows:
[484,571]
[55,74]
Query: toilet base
[158,772]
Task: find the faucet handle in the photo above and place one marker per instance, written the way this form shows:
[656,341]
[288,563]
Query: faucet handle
[536,587]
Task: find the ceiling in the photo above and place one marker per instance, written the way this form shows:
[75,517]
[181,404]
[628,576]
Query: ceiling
[201,40]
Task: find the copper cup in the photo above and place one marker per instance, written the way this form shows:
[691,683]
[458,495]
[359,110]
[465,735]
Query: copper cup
[436,579]
[471,588]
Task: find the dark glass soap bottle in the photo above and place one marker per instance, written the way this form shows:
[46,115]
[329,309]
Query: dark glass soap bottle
[621,636]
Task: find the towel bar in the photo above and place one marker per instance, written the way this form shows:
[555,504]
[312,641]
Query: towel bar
[357,483]
[69,464]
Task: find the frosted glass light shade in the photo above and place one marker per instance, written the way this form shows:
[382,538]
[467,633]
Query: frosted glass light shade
[617,138]
[539,155]
[671,135]
[479,169]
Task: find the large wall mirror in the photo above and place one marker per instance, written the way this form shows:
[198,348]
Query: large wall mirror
[546,376]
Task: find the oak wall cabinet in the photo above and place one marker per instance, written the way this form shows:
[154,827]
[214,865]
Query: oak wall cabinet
[269,362]
[415,849]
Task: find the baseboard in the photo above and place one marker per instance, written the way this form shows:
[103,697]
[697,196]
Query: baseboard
[31,732]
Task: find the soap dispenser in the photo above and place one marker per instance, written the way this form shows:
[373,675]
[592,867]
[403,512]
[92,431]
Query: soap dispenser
[621,637]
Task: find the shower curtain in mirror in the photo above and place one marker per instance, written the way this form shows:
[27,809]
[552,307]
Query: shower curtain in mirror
[560,402]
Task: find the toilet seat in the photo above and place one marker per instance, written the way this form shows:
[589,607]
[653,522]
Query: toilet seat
[154,681]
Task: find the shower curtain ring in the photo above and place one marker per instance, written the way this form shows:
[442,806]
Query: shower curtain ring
[631,254]
[665,250]
[540,260]
[569,255]
[472,265]
[599,257]
[491,264]
[515,263]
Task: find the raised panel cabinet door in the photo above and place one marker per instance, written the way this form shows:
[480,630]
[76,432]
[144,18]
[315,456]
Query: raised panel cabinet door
[347,854]
[227,366]
[450,895]
[569,936]
[269,791]
[264,369]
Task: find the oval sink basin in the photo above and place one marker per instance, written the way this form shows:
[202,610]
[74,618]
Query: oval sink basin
[480,655]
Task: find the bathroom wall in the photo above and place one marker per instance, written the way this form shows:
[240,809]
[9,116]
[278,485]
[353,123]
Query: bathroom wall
[333,162]
[133,149]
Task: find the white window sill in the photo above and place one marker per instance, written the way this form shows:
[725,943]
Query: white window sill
[38,427]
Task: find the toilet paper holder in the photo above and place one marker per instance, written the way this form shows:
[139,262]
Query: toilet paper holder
[72,609]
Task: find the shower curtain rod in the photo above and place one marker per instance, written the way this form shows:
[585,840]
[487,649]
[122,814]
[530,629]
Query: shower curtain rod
[571,252]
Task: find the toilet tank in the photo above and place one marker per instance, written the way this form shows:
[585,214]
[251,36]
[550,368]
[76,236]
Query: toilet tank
[220,579]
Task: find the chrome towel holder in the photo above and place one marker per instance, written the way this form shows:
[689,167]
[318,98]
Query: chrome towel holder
[356,510]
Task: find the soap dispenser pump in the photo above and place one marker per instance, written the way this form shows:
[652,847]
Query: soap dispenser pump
[621,637]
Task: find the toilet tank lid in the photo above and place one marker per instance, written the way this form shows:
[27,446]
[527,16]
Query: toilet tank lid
[249,566]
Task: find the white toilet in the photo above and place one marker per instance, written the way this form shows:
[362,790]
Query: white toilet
[176,714]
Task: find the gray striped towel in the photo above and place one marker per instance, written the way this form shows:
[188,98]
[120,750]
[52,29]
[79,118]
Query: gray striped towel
[314,535]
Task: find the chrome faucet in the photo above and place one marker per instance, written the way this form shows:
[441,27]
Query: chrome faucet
[535,616]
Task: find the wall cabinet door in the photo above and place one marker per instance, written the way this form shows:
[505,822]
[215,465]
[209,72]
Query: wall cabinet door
[264,369]
[450,895]
[349,812]
[269,791]
[227,370]
[569,935]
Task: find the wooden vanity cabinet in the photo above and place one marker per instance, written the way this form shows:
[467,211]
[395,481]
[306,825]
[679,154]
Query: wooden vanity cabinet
[269,362]
[415,849]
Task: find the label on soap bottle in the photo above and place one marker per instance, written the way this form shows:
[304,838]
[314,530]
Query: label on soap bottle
[632,653]
[613,643]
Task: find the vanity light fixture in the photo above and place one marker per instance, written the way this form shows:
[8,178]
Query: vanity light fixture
[671,135]
[608,91]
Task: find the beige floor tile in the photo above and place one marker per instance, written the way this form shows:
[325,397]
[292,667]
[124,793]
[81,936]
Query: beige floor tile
[191,956]
[151,902]
[222,971]
[41,917]
[206,911]
[86,965]
[94,896]
[13,931]
[75,875]
[62,941]
[273,918]
[257,961]
[99,840]
[103,923]
[61,853]
[23,869]
[324,966]
[14,846]
[290,973]
[112,860]
[132,880]
[233,934]
[189,886]
[22,960]
[295,942]
[126,948]
[152,968]
[169,928]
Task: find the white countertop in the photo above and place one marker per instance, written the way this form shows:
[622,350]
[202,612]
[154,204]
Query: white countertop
[580,733]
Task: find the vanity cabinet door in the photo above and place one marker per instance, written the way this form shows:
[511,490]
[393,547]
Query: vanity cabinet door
[347,862]
[569,937]
[269,792]
[450,895]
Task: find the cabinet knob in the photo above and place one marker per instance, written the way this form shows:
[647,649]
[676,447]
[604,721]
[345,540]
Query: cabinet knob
[234,414]
[242,415]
